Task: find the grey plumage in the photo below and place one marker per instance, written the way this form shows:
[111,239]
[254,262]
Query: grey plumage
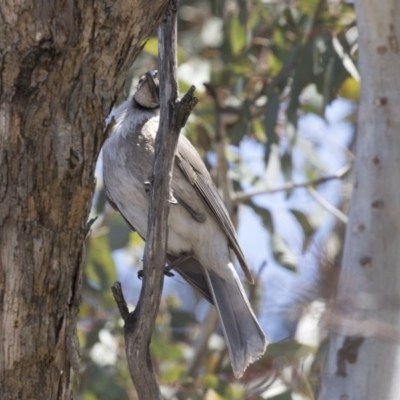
[199,224]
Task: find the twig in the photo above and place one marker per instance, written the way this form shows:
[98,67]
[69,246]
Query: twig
[173,114]
[120,300]
[242,197]
[328,206]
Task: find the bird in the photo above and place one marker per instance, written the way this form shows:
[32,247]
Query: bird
[202,242]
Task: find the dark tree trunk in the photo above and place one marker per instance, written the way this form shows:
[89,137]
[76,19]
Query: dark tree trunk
[61,65]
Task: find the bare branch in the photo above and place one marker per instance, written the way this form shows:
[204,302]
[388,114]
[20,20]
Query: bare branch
[174,113]
[242,197]
[120,300]
[328,206]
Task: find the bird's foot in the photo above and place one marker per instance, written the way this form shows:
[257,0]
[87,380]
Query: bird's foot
[170,266]
[147,184]
[167,272]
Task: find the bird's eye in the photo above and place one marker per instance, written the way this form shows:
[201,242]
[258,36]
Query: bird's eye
[140,81]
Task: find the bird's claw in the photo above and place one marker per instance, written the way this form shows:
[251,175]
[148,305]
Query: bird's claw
[167,272]
[148,184]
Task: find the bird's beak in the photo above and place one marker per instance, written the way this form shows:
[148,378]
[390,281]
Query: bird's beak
[153,84]
[151,76]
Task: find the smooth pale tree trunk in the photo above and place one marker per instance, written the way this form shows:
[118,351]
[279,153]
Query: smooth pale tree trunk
[364,356]
[61,65]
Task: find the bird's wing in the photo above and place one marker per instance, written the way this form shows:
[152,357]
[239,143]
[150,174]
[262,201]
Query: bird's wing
[192,166]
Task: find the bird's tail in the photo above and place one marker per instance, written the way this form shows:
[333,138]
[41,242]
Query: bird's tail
[244,337]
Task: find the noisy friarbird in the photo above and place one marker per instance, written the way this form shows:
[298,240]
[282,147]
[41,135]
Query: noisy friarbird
[202,241]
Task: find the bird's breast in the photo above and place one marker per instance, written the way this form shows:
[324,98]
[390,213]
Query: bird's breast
[127,165]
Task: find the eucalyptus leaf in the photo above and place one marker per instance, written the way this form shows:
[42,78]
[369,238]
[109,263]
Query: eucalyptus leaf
[282,252]
[306,225]
[281,396]
[291,351]
[237,34]
[270,120]
[119,232]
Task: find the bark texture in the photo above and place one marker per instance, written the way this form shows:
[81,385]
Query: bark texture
[61,65]
[364,356]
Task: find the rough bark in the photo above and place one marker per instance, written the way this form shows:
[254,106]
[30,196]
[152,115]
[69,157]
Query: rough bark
[364,357]
[61,65]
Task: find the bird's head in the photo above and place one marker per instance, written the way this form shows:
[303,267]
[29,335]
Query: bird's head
[147,93]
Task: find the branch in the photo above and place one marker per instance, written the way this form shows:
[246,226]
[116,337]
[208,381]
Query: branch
[242,197]
[328,206]
[174,113]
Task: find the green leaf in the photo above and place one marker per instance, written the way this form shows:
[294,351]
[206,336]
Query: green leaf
[237,35]
[211,394]
[282,252]
[210,381]
[291,352]
[306,225]
[151,46]
[234,391]
[101,201]
[304,387]
[280,249]
[173,373]
[303,76]
[104,384]
[241,128]
[181,318]
[281,396]
[265,215]
[243,14]
[287,165]
[307,6]
[172,352]
[258,130]
[92,337]
[350,89]
[270,119]
[99,263]
[135,240]
[118,233]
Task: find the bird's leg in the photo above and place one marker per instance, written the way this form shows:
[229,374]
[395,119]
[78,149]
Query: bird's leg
[166,272]
[148,184]
[170,266]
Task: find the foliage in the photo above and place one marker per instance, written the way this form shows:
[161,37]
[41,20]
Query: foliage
[266,63]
